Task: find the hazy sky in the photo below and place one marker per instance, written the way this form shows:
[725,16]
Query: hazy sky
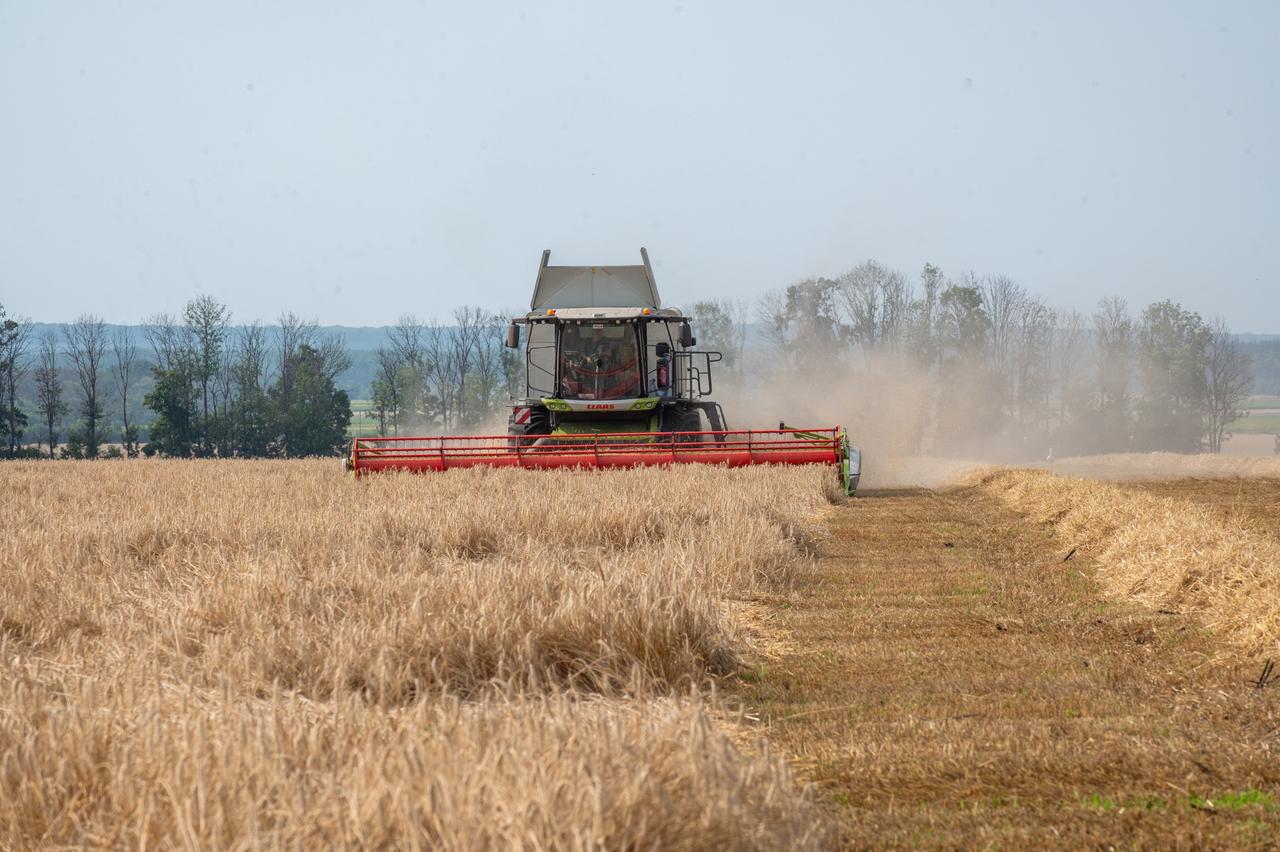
[357,161]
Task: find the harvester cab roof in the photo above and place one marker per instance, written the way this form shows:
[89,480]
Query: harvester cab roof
[601,350]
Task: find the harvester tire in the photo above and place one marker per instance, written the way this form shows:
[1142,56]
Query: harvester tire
[684,420]
[527,434]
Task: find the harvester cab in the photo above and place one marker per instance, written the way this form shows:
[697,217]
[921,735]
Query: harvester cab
[602,355]
[612,380]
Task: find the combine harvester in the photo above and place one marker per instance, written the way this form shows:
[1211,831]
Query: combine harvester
[611,380]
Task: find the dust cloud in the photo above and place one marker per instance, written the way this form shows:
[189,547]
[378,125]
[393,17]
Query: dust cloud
[911,431]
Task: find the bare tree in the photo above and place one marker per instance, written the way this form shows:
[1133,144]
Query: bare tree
[224,381]
[739,312]
[465,343]
[1005,303]
[877,301]
[407,339]
[1068,351]
[1230,382]
[292,333]
[168,340]
[86,340]
[437,371]
[385,390]
[1114,330]
[250,430]
[398,387]
[251,358]
[15,338]
[49,402]
[124,355]
[859,295]
[335,358]
[1031,348]
[488,364]
[772,311]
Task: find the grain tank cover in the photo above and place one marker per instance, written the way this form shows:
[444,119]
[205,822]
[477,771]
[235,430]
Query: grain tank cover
[595,286]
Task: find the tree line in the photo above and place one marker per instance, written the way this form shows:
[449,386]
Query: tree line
[999,365]
[217,391]
[993,363]
[438,377]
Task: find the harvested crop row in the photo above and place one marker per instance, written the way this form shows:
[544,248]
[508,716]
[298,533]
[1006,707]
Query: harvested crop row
[1164,552]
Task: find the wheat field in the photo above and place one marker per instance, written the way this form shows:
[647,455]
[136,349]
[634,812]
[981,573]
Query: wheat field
[269,654]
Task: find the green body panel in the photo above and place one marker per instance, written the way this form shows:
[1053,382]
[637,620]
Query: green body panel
[603,427]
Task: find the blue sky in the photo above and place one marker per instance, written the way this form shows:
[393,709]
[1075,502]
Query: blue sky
[354,162]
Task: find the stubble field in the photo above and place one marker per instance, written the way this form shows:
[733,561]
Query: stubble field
[268,654]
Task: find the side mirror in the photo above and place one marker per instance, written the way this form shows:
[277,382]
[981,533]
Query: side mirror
[513,337]
[686,336]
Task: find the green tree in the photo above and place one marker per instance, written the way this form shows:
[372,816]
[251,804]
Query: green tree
[251,423]
[206,321]
[382,401]
[173,432]
[969,393]
[14,337]
[1172,345]
[713,323]
[963,324]
[311,414]
[417,404]
[75,448]
[922,318]
[815,331]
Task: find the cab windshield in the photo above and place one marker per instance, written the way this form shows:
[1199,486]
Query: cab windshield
[599,361]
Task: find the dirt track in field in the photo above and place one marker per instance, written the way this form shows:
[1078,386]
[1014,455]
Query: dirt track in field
[951,681]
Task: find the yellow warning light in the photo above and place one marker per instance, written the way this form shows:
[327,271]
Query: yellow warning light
[645,311]
[551,312]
